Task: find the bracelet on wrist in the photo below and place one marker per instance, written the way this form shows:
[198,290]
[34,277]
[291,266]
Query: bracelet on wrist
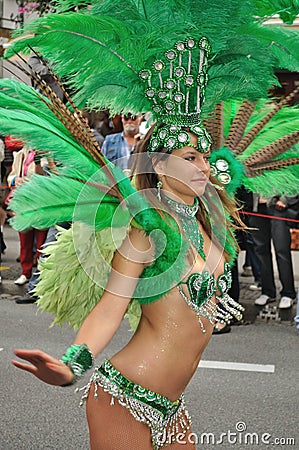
[79,359]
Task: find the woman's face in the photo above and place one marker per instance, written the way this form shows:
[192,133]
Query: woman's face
[185,172]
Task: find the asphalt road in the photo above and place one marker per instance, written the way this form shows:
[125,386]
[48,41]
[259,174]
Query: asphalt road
[251,406]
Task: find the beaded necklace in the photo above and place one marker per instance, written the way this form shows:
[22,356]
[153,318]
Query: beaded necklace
[188,222]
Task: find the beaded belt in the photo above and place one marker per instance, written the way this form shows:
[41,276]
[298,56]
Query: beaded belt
[164,417]
[165,406]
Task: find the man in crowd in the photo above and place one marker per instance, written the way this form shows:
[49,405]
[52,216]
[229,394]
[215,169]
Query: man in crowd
[119,147]
[264,231]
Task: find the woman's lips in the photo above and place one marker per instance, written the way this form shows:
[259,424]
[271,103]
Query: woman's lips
[199,180]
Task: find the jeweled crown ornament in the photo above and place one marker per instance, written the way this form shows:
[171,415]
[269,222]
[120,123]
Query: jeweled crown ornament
[176,88]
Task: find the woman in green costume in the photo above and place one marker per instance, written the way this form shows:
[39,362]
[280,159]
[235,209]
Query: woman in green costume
[182,288]
[135,400]
[148,376]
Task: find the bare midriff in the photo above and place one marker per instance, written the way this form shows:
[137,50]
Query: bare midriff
[167,346]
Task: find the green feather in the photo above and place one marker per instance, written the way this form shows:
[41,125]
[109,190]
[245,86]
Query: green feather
[133,314]
[285,121]
[24,114]
[280,182]
[75,272]
[41,135]
[116,43]
[44,201]
[288,11]
[283,43]
[68,5]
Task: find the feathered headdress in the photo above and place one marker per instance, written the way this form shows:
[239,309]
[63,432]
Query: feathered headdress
[111,56]
[254,144]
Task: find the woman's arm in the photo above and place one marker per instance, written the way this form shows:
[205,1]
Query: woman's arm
[103,321]
[105,318]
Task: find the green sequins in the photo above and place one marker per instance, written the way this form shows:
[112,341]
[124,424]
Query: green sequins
[176,88]
[78,358]
[206,302]
[175,136]
[189,222]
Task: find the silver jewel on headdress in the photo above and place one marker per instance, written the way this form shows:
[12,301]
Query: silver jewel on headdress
[220,169]
[175,87]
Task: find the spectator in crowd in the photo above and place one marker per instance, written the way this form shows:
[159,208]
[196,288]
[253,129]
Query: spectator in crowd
[247,270]
[103,124]
[251,266]
[34,279]
[25,163]
[2,151]
[296,318]
[11,145]
[267,230]
[116,123]
[2,222]
[2,211]
[120,146]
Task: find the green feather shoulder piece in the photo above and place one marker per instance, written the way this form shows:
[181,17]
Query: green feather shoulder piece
[75,271]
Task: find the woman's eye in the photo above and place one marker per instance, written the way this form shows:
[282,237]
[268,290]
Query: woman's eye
[190,158]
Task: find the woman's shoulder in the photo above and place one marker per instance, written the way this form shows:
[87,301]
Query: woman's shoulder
[136,248]
[140,241]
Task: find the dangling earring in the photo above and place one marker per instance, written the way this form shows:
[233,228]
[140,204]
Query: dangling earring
[216,186]
[159,185]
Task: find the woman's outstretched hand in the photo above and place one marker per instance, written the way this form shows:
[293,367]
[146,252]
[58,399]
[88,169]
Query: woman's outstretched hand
[43,366]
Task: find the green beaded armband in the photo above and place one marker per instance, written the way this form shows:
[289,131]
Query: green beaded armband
[79,359]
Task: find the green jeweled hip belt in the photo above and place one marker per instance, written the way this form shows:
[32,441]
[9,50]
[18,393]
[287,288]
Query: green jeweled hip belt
[165,406]
[164,418]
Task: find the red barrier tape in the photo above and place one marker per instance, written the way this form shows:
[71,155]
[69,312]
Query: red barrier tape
[266,216]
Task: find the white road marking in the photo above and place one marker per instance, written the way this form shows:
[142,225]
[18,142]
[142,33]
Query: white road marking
[268,368]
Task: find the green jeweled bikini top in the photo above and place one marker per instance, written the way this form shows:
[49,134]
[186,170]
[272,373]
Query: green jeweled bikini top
[203,286]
